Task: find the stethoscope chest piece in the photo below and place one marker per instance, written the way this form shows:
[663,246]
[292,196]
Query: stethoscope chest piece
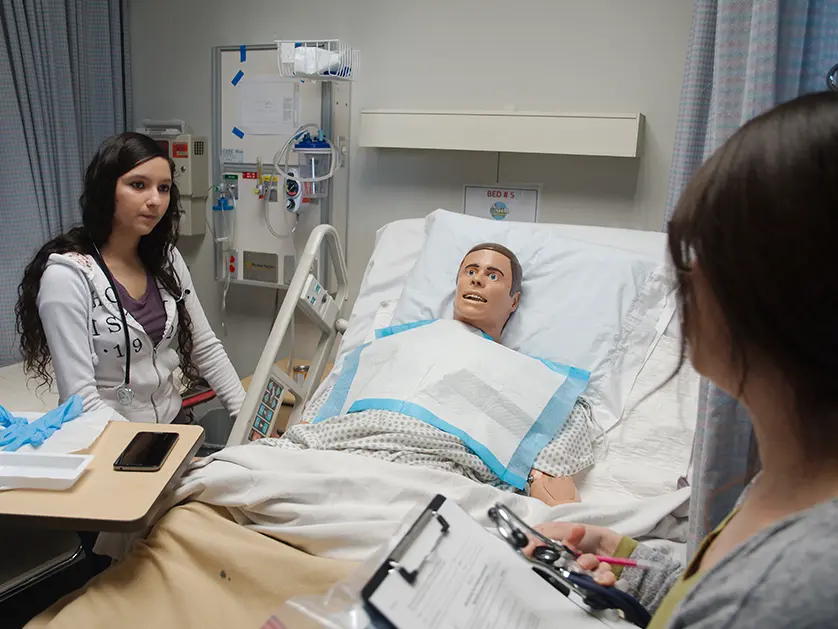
[545,554]
[124,395]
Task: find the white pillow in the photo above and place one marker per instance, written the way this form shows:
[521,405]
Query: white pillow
[391,259]
[582,304]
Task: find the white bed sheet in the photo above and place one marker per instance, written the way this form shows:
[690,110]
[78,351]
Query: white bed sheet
[297,497]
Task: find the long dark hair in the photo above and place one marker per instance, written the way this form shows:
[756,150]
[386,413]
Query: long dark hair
[761,219]
[116,156]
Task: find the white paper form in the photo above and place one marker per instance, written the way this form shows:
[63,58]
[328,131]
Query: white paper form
[474,580]
[267,105]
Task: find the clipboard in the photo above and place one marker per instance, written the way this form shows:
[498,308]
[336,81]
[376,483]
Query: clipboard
[448,572]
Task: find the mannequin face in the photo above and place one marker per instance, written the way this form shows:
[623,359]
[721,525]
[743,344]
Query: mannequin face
[483,298]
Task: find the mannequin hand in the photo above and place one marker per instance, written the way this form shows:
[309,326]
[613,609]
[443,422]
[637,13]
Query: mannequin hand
[551,490]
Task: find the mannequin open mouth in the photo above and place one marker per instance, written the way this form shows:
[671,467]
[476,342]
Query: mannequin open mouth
[474,297]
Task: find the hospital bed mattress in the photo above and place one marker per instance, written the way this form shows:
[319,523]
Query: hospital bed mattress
[198,568]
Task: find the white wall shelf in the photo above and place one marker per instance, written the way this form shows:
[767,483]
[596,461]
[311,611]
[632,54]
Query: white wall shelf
[611,135]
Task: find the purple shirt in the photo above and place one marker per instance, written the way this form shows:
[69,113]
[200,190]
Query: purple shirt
[148,310]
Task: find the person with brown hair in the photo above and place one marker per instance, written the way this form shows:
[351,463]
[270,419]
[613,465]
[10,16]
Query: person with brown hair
[108,309]
[752,241]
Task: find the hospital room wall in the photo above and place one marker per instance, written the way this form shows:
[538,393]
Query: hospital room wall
[551,55]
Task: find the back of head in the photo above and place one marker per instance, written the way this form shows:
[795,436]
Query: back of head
[761,219]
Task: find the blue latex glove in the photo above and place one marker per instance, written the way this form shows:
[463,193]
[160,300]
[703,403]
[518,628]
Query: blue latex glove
[20,432]
[7,419]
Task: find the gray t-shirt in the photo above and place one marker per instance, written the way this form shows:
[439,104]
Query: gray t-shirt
[148,310]
[783,577]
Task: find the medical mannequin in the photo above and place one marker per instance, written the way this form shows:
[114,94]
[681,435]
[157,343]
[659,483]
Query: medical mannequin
[488,292]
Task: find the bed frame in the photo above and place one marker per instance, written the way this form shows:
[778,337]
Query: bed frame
[258,414]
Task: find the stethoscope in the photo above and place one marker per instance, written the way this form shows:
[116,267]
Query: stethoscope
[555,563]
[124,393]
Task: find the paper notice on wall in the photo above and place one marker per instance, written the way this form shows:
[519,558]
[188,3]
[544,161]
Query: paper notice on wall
[232,156]
[267,105]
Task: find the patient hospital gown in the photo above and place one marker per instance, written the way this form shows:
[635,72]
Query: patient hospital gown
[402,439]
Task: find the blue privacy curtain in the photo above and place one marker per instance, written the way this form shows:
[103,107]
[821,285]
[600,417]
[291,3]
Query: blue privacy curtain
[744,57]
[64,76]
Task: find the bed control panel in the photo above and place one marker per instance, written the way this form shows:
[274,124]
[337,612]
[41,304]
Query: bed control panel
[265,418]
[317,302]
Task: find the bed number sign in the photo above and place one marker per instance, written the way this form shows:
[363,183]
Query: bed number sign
[271,399]
[498,203]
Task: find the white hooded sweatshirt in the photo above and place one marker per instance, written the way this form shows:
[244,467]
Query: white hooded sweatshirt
[83,329]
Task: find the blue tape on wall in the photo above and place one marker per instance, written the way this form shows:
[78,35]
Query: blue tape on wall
[238,77]
[242,54]
[238,133]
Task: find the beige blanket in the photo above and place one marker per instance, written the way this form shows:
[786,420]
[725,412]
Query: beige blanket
[197,569]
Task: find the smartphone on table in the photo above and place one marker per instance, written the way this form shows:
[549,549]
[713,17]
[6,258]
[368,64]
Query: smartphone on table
[147,452]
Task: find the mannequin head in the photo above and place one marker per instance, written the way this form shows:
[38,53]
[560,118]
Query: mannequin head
[488,288]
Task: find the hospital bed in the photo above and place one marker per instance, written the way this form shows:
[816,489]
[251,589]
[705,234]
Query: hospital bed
[212,559]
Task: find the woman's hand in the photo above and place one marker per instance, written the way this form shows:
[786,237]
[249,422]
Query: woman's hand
[586,539]
[601,570]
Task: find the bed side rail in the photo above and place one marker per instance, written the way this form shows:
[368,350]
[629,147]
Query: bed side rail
[258,414]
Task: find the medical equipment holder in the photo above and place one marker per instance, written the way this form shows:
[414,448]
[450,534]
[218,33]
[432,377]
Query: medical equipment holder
[266,239]
[258,414]
[317,59]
